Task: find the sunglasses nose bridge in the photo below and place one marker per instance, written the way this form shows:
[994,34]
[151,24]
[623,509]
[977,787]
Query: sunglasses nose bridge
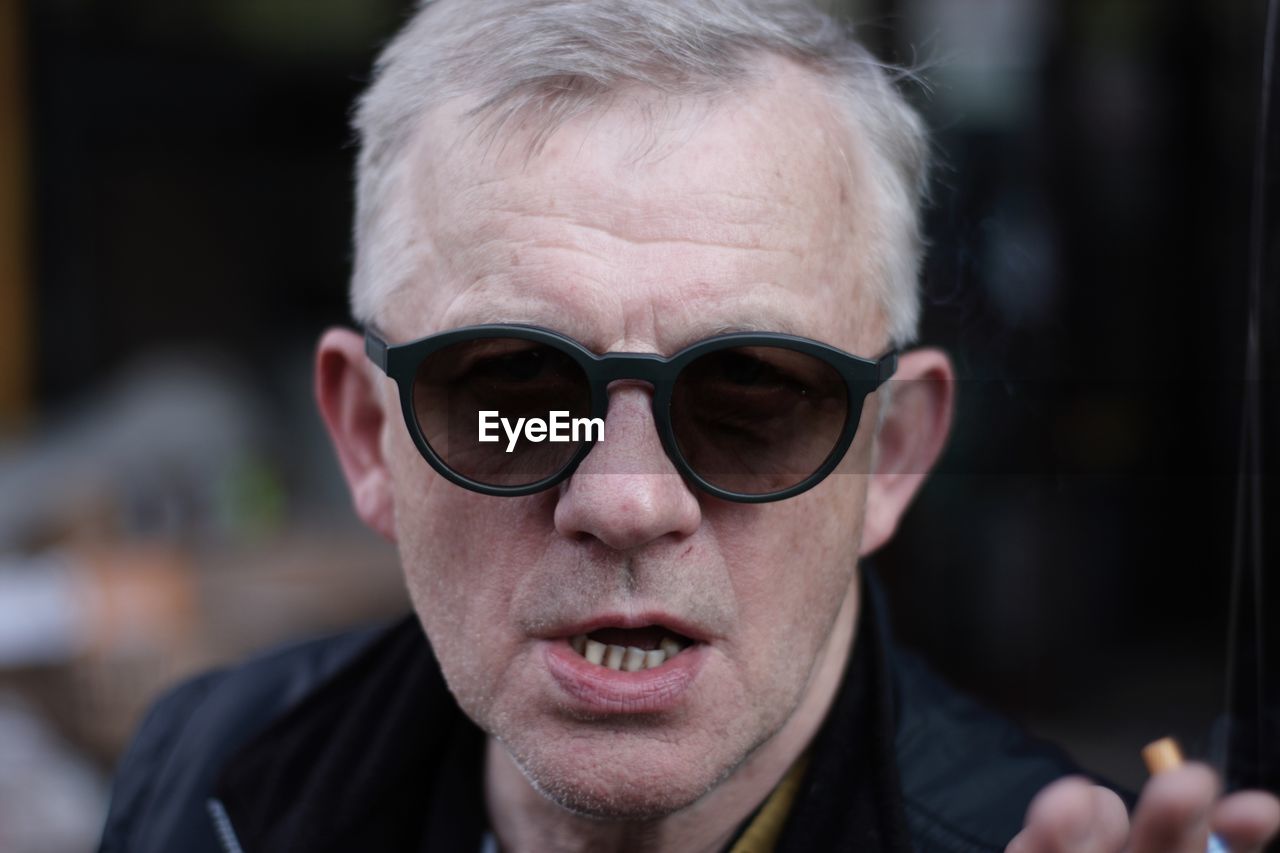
[633,367]
[644,366]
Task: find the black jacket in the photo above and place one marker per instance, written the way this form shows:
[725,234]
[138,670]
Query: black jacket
[354,743]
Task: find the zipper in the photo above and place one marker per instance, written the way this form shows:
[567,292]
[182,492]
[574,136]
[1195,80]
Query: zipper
[222,826]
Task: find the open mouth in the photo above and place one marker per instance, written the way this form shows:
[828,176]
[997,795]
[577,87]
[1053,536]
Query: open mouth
[630,649]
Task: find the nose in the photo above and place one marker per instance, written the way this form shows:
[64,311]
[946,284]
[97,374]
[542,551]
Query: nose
[627,493]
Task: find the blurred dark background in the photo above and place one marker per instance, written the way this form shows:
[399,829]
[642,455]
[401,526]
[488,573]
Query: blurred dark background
[175,201]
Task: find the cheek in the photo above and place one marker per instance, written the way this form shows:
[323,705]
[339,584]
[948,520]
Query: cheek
[460,574]
[793,567]
[799,548]
[447,533]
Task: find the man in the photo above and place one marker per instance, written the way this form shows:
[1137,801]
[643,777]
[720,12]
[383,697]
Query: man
[693,226]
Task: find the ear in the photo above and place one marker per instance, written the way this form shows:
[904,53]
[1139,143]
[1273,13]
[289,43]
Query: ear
[351,404]
[909,441]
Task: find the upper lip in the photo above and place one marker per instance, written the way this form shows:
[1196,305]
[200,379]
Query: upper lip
[641,619]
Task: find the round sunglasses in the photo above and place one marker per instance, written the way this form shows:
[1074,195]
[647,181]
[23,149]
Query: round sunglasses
[512,410]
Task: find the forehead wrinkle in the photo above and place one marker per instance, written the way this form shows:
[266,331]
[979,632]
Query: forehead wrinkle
[478,187]
[523,207]
[723,237]
[494,239]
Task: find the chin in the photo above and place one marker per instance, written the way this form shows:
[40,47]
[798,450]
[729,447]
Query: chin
[622,799]
[605,780]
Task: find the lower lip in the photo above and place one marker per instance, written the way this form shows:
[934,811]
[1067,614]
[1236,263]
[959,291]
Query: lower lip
[597,689]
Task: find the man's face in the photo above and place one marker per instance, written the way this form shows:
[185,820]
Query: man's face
[745,215]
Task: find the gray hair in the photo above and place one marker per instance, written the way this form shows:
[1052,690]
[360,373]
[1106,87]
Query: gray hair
[551,60]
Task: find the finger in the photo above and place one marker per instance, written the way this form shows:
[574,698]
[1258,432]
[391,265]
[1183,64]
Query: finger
[1173,812]
[1247,820]
[1073,815]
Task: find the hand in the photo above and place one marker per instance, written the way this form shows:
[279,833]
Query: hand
[1177,811]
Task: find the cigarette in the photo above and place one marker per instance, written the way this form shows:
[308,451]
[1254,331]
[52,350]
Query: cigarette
[1163,755]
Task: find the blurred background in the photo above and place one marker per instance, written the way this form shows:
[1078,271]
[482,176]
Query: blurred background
[174,213]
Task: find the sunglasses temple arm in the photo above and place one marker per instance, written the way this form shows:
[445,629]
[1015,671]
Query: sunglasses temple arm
[376,348]
[886,366]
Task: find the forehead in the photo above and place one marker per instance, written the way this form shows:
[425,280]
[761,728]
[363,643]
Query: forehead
[647,224]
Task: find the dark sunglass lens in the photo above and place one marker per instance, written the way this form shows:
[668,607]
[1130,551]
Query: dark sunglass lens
[758,420]
[515,379]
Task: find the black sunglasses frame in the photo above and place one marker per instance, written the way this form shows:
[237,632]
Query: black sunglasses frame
[861,377]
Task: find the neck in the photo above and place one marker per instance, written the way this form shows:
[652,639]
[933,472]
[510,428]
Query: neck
[525,820]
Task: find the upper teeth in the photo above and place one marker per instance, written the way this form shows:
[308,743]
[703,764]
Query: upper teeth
[628,658]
